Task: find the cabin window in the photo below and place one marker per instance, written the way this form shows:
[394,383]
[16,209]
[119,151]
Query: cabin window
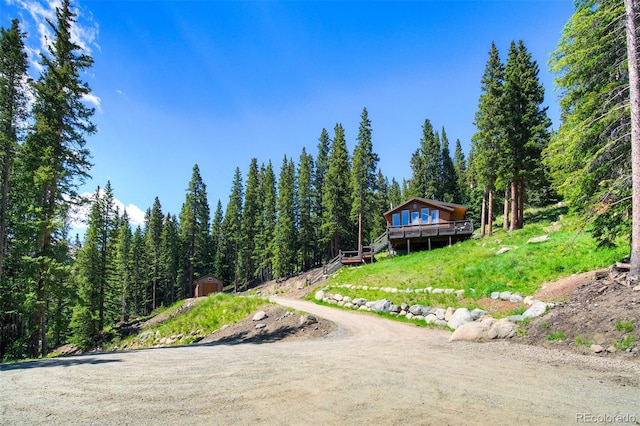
[425,215]
[435,216]
[395,219]
[415,218]
[405,217]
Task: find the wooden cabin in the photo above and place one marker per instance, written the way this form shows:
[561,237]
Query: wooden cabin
[206,285]
[422,224]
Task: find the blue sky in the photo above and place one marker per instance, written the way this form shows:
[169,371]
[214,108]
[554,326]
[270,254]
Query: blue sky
[217,83]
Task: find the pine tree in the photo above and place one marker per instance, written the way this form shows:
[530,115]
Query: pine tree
[231,238]
[460,167]
[363,180]
[426,165]
[286,232]
[194,232]
[381,205]
[54,162]
[448,178]
[395,194]
[153,237]
[305,205]
[489,138]
[13,113]
[170,260]
[251,216]
[216,240]
[139,301]
[589,157]
[95,268]
[123,265]
[322,166]
[336,201]
[266,236]
[525,128]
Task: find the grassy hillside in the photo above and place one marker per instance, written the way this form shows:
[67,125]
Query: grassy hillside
[475,266]
[181,325]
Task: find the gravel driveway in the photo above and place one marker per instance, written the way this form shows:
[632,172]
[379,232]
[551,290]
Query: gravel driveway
[369,371]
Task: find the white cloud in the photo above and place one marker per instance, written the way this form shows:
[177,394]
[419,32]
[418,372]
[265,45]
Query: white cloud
[136,215]
[79,214]
[94,100]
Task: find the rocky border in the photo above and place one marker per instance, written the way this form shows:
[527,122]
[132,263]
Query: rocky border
[474,325]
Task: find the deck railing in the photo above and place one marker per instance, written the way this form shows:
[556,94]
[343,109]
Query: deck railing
[461,227]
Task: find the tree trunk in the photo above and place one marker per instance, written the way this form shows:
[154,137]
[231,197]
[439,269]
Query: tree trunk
[490,214]
[514,205]
[521,204]
[631,9]
[360,234]
[483,214]
[505,221]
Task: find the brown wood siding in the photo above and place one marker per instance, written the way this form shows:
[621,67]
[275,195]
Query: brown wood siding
[207,285]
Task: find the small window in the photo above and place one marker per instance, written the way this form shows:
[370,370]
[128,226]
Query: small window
[405,217]
[415,218]
[425,216]
[435,216]
[395,219]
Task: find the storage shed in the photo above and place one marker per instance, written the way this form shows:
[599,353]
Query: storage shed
[206,285]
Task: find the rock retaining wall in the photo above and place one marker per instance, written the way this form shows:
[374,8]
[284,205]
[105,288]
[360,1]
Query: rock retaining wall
[476,324]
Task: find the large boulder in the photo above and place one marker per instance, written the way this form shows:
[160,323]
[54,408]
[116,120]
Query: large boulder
[381,305]
[460,316]
[538,308]
[320,294]
[472,331]
[259,316]
[477,313]
[416,309]
[502,329]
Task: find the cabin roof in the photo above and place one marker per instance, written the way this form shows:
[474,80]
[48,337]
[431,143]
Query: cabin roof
[440,204]
[208,278]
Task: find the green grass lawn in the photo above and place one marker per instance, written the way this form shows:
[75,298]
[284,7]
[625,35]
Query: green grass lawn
[206,315]
[474,264]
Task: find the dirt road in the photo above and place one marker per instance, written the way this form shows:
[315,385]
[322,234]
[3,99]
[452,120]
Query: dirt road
[370,371]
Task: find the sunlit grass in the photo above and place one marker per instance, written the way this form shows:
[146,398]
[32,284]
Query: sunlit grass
[205,316]
[474,266]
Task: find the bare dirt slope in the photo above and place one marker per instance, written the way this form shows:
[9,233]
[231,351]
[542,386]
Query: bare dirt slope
[368,371]
[600,310]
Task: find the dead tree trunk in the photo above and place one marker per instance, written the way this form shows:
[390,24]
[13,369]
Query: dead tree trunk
[631,9]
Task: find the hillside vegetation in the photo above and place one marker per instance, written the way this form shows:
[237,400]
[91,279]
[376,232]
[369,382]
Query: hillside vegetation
[476,266]
[184,322]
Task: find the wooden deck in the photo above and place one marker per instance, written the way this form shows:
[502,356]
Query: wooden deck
[421,237]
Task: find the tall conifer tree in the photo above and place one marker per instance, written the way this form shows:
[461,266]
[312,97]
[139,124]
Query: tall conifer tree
[336,200]
[305,204]
[322,166]
[231,238]
[286,235]
[489,137]
[251,222]
[55,160]
[195,231]
[266,237]
[363,180]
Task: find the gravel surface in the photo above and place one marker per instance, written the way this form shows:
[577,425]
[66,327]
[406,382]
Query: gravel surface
[368,371]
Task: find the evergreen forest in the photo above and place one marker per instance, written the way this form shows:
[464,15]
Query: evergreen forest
[279,221]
